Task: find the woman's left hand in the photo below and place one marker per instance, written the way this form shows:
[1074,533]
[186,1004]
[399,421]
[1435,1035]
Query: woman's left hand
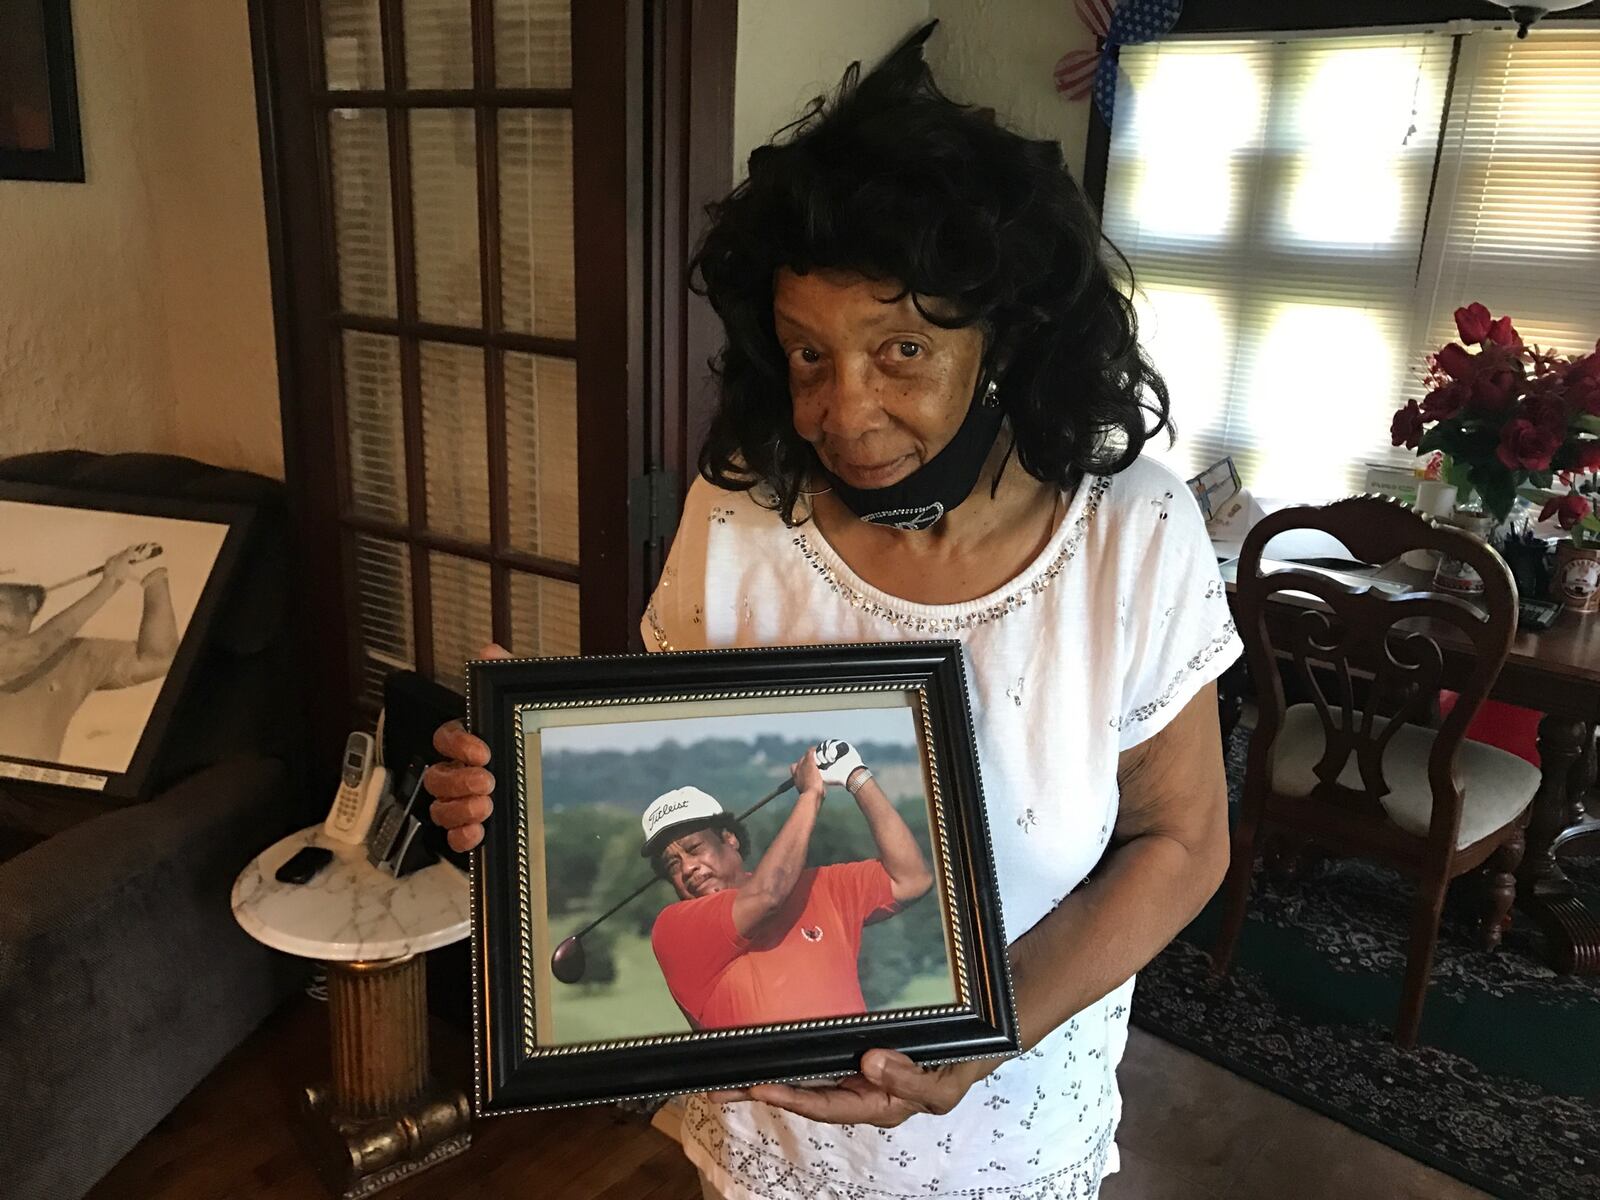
[889,1089]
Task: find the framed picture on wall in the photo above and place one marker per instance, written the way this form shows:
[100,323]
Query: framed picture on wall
[39,133]
[714,869]
[105,604]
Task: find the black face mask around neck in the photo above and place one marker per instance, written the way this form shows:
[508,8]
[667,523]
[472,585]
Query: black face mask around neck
[923,497]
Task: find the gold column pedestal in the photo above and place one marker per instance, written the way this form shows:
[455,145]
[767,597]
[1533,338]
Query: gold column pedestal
[381,1119]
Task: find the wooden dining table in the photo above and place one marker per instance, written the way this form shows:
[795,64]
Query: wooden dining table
[1556,672]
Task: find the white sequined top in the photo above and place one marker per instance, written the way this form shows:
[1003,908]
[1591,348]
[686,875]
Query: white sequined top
[1090,650]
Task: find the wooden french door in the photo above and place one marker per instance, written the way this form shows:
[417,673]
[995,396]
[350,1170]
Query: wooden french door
[478,213]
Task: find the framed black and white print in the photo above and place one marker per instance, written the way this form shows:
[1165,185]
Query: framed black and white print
[39,132]
[105,603]
[719,868]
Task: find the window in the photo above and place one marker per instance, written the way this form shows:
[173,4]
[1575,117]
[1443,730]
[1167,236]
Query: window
[1304,215]
[489,357]
[1516,220]
[440,139]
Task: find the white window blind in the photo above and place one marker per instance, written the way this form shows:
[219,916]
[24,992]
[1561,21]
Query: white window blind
[1271,197]
[1516,216]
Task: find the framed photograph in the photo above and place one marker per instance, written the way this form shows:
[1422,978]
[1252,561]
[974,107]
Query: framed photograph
[39,133]
[105,603]
[1215,486]
[718,868]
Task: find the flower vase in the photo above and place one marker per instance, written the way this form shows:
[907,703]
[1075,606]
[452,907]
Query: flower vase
[1454,575]
[1576,584]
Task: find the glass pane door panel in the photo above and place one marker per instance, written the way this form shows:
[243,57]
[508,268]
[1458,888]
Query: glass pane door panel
[444,206]
[536,280]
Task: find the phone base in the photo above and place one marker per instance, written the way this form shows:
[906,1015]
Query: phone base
[382,1118]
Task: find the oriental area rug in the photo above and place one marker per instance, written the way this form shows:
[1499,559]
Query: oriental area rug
[1503,1090]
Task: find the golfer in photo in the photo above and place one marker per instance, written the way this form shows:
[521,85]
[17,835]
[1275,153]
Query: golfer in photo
[48,672]
[776,941]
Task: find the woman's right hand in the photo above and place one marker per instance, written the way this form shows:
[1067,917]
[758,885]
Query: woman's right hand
[461,787]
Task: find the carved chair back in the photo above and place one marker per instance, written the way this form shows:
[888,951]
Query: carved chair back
[1370,658]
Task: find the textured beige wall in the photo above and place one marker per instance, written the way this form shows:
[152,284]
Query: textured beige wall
[205,194]
[1002,54]
[135,309]
[791,51]
[998,53]
[82,331]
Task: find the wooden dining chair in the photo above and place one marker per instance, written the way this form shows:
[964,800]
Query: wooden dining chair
[1354,771]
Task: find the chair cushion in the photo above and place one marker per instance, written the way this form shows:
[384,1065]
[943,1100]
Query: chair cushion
[1495,786]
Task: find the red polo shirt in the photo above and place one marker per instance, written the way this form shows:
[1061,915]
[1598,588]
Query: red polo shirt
[802,966]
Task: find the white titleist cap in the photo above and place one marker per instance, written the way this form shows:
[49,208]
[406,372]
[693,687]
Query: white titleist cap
[680,806]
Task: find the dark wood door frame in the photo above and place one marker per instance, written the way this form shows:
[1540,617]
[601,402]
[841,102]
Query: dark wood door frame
[300,258]
[687,164]
[651,78]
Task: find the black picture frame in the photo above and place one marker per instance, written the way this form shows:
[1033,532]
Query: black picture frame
[133,782]
[515,1073]
[48,29]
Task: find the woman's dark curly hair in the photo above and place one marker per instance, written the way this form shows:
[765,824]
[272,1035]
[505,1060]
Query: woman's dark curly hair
[893,181]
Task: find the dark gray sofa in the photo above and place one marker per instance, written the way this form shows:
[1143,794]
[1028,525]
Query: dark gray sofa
[123,976]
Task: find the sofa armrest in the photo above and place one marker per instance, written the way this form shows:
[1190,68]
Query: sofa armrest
[123,975]
[197,836]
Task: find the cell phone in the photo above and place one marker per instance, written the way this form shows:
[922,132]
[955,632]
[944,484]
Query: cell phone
[393,813]
[304,865]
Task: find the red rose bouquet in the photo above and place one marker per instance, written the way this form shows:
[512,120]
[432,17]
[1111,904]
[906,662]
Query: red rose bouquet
[1508,416]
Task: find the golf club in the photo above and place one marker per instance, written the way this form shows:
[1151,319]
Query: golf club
[568,962]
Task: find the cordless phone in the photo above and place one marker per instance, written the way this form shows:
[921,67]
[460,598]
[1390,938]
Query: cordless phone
[362,783]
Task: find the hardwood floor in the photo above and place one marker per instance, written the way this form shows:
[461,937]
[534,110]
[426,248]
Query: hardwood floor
[232,1138]
[1194,1131]
[1191,1131]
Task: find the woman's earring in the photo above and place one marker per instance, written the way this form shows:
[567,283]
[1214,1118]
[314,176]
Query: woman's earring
[991,394]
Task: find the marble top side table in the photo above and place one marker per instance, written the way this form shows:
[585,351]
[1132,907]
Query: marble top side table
[382,1118]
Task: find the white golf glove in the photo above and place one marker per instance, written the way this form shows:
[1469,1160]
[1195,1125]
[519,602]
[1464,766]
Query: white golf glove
[837,761]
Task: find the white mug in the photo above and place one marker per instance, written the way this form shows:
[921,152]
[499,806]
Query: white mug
[1434,499]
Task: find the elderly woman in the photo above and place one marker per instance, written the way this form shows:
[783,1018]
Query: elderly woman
[933,410]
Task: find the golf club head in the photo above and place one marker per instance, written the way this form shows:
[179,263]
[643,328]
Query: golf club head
[567,963]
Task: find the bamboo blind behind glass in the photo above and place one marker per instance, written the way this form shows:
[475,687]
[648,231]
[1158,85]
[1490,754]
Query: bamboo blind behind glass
[541,437]
[451,219]
[383,617]
[444,203]
[1517,213]
[461,611]
[1305,216]
[530,44]
[362,210]
[352,45]
[536,222]
[373,433]
[1271,197]
[438,43]
[455,432]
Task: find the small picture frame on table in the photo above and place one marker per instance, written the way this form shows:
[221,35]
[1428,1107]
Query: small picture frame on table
[720,868]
